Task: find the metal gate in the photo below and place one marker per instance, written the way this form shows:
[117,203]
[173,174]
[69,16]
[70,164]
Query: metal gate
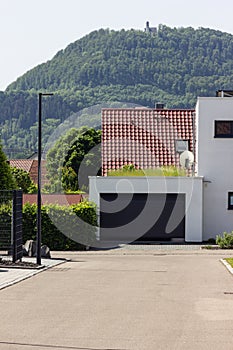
[11,223]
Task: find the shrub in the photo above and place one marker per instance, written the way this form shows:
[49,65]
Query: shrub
[57,219]
[225,241]
[78,222]
[5,224]
[23,180]
[212,241]
[6,208]
[30,221]
[130,170]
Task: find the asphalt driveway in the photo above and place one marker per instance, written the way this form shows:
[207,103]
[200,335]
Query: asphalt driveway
[129,300]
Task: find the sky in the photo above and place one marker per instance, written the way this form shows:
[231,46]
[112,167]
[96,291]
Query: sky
[32,32]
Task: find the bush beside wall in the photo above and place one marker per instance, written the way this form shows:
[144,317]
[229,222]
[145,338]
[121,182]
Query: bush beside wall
[225,241]
[5,224]
[78,222]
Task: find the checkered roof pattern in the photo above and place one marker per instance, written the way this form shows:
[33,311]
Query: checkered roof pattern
[144,137]
[24,164]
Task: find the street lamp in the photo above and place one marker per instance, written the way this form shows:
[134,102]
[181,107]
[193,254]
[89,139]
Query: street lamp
[38,242]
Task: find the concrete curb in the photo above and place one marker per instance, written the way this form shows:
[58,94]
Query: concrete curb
[227,265]
[18,275]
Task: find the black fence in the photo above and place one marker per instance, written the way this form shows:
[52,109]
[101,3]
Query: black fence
[11,223]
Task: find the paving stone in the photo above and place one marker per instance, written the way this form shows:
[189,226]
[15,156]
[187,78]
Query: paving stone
[10,276]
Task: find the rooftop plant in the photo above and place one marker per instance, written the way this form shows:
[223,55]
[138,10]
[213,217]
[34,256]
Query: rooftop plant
[130,170]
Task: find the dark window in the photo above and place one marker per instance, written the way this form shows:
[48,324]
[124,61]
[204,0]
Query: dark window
[181,145]
[230,200]
[223,128]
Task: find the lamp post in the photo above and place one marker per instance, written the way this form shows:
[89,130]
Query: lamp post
[38,241]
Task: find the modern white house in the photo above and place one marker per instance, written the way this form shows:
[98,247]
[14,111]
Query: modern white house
[192,208]
[214,155]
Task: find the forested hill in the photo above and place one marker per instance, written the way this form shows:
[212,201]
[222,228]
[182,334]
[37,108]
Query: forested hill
[173,66]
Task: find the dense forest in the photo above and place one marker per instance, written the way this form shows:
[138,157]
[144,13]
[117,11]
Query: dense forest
[173,66]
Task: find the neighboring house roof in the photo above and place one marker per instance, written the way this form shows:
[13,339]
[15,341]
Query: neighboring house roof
[61,199]
[144,137]
[24,164]
[31,167]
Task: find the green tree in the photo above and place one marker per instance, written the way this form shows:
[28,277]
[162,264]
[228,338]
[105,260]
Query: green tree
[23,180]
[84,157]
[69,179]
[77,147]
[6,178]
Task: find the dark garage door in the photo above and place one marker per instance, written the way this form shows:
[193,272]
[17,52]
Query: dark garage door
[128,217]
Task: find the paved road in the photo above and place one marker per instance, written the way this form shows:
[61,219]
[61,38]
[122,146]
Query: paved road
[136,301]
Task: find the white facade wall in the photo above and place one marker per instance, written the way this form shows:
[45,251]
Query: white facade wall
[215,164]
[192,187]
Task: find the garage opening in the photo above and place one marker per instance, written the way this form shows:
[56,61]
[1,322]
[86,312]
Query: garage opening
[128,217]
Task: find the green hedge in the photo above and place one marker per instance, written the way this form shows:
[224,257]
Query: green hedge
[5,225]
[57,220]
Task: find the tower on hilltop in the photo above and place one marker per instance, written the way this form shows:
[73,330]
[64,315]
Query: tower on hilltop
[150,30]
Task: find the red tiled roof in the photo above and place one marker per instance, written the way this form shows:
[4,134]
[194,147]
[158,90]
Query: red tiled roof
[61,199]
[144,137]
[24,164]
[31,167]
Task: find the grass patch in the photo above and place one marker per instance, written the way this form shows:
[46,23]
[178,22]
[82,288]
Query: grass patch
[130,170]
[230,261]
